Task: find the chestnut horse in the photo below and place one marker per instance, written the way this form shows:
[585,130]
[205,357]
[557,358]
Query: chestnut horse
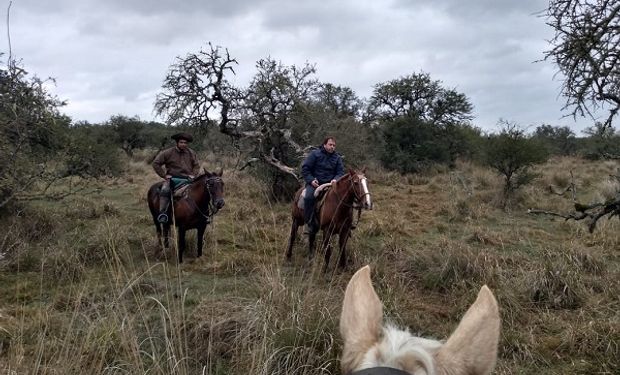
[204,198]
[335,214]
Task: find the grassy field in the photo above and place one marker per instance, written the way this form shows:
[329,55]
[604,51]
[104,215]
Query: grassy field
[86,289]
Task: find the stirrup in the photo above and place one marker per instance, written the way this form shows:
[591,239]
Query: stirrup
[162,218]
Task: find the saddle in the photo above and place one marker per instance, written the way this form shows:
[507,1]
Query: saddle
[319,194]
[180,187]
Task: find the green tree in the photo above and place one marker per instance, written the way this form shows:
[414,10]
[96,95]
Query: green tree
[602,142]
[32,131]
[412,145]
[558,140]
[129,133]
[35,140]
[338,100]
[512,154]
[417,95]
[423,122]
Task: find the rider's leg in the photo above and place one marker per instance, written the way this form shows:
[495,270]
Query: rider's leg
[164,202]
[309,208]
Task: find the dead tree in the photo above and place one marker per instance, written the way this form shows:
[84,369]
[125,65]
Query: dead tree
[585,49]
[196,91]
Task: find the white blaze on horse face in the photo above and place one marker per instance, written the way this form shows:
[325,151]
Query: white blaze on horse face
[367,200]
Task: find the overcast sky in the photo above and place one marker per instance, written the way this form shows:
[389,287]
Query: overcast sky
[110,57]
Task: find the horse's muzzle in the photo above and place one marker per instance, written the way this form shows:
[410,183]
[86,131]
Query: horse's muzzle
[219,203]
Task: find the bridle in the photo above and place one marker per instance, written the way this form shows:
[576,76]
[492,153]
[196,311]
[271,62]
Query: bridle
[358,201]
[210,183]
[356,198]
[211,208]
[380,371]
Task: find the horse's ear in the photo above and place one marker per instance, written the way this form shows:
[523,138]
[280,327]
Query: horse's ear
[474,342]
[221,172]
[209,174]
[364,170]
[361,318]
[351,171]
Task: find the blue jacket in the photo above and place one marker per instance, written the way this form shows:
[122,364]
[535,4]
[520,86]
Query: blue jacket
[323,166]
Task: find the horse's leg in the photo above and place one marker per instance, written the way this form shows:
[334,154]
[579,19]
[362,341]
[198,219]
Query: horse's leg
[200,232]
[343,237]
[311,244]
[166,230]
[181,243]
[326,246]
[291,239]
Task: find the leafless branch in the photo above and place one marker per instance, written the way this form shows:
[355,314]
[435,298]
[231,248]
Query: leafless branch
[274,162]
[585,49]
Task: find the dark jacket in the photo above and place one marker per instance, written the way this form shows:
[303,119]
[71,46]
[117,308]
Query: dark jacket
[177,162]
[323,166]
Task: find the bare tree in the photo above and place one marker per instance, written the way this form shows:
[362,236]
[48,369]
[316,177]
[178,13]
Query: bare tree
[586,49]
[196,91]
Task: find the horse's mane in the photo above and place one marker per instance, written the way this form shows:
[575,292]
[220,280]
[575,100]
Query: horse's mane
[203,175]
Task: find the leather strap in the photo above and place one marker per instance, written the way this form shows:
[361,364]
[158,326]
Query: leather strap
[380,371]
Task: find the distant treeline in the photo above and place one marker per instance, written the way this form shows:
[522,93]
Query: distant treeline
[409,124]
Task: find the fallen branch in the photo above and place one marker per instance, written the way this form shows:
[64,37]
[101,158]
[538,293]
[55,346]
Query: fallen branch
[594,212]
[574,215]
[274,162]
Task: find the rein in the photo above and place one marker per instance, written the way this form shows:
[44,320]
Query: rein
[211,209]
[357,201]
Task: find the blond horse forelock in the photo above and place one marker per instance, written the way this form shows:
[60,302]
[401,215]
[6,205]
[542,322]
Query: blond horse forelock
[470,350]
[400,349]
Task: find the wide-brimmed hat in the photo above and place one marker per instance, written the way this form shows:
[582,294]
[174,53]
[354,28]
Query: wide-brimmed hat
[178,136]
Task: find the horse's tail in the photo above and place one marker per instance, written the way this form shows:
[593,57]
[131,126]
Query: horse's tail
[297,212]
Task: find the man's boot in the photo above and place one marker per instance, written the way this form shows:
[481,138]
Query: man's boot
[308,218]
[308,228]
[164,202]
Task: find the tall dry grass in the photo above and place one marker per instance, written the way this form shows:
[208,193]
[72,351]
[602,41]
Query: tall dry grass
[86,288]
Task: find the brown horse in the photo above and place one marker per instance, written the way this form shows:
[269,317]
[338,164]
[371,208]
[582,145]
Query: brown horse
[335,214]
[204,198]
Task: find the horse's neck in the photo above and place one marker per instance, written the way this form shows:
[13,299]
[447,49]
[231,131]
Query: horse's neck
[343,191]
[198,191]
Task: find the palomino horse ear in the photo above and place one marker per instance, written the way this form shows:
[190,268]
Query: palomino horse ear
[472,347]
[361,319]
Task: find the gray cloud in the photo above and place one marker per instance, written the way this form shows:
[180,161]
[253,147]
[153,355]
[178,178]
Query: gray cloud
[110,57]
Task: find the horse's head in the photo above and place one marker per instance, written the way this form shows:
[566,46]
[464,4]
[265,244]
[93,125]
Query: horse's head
[360,188]
[215,185]
[471,349]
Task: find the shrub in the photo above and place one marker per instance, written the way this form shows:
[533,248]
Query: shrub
[512,155]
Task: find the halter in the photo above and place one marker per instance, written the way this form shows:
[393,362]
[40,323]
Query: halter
[211,209]
[356,198]
[380,371]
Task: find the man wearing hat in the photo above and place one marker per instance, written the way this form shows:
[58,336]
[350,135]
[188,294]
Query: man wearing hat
[180,162]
